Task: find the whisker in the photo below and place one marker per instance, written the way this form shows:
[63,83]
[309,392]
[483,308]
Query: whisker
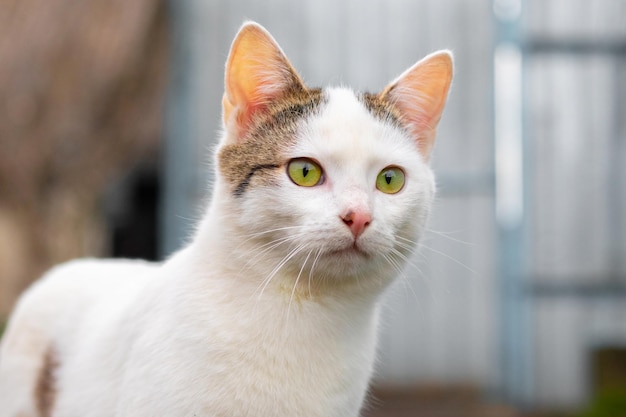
[278,229]
[445,255]
[252,236]
[295,284]
[406,246]
[447,236]
[413,242]
[403,257]
[394,263]
[402,273]
[266,247]
[261,250]
[278,267]
[317,257]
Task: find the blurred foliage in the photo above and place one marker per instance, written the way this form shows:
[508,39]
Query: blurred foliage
[610,402]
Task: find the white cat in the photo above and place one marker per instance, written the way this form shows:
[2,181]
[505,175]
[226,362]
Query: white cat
[271,310]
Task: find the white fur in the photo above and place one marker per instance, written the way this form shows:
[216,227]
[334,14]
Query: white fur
[256,317]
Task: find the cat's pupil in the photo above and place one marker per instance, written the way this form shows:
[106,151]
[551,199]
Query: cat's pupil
[388,177]
[305,171]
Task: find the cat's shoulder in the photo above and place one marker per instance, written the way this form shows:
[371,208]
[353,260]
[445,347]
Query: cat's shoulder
[92,271]
[88,279]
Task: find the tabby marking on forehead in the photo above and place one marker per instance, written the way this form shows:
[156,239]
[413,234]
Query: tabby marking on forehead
[261,150]
[381,108]
[241,188]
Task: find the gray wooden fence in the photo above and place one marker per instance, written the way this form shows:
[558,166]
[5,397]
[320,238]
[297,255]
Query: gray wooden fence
[576,78]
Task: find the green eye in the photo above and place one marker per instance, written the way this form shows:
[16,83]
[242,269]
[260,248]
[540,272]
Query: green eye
[390,180]
[304,172]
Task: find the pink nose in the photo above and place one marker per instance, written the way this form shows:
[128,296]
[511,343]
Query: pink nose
[357,221]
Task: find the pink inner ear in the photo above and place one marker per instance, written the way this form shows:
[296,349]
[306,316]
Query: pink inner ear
[420,94]
[257,72]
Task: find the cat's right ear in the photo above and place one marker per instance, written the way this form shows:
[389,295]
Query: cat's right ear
[257,72]
[420,94]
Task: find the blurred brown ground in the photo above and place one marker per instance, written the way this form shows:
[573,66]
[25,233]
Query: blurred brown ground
[439,401]
[434,402]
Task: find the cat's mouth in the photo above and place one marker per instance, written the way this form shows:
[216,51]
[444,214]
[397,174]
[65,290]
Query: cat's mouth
[350,251]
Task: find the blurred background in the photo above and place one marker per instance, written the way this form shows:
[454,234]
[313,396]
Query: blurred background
[516,303]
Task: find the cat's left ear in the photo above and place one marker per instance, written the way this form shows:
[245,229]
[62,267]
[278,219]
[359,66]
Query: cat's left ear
[420,95]
[257,73]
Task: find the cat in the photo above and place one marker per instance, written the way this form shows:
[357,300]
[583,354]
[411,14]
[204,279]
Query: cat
[271,310]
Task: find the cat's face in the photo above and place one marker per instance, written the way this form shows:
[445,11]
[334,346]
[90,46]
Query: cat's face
[324,183]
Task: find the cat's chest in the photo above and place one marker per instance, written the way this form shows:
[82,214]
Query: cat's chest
[285,366]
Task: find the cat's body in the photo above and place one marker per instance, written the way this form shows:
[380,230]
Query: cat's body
[272,309]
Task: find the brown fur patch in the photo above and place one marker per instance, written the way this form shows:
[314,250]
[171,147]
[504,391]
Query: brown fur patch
[45,388]
[272,131]
[381,108]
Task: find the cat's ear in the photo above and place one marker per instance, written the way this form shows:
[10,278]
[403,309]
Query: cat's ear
[420,95]
[257,72]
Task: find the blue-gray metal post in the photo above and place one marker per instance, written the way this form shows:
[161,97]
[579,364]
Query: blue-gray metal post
[516,348]
[179,156]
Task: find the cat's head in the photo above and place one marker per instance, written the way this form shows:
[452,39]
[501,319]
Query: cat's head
[325,182]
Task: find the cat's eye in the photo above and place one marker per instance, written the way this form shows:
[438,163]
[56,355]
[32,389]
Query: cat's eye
[305,172]
[390,180]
